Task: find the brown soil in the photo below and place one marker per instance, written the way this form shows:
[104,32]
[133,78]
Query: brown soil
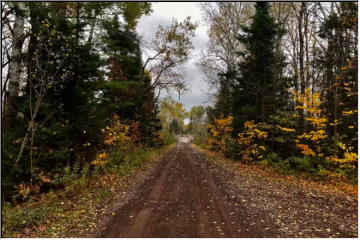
[187,195]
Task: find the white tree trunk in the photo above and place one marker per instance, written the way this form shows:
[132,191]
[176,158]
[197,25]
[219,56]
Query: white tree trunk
[15,63]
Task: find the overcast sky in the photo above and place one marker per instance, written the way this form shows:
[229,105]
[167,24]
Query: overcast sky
[162,14]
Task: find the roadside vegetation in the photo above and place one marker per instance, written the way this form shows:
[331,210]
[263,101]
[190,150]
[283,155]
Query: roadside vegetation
[80,107]
[287,97]
[77,208]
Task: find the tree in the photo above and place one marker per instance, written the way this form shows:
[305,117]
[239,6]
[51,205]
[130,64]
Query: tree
[170,49]
[172,115]
[197,120]
[15,62]
[256,86]
[219,60]
[61,102]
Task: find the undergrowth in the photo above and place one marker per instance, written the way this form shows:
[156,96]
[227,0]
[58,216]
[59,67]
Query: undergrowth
[68,211]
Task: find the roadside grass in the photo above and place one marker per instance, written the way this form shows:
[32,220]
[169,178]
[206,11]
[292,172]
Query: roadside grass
[75,210]
[270,172]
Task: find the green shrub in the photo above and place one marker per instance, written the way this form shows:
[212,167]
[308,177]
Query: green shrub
[285,167]
[273,157]
[85,171]
[303,164]
[116,157]
[66,178]
[168,138]
[232,149]
[264,163]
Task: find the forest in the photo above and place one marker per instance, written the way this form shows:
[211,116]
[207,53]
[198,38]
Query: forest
[75,85]
[286,85]
[84,95]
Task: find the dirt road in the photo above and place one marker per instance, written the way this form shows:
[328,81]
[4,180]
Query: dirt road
[188,196]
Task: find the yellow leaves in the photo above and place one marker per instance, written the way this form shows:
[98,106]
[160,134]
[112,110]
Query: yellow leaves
[286,129]
[350,157]
[341,145]
[249,125]
[307,101]
[260,134]
[348,113]
[101,159]
[314,135]
[310,102]
[220,133]
[335,123]
[116,133]
[103,156]
[225,124]
[251,150]
[317,122]
[262,148]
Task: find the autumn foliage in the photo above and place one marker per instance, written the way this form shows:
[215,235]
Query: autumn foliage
[119,135]
[220,134]
[330,156]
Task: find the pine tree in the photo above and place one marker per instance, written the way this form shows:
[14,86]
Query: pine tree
[223,102]
[257,85]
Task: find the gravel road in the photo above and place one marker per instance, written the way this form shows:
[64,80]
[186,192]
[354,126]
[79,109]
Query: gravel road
[186,195]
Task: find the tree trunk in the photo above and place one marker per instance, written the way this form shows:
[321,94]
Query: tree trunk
[301,62]
[15,64]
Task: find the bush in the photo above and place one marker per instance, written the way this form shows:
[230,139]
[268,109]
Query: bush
[303,164]
[232,149]
[273,157]
[116,157]
[167,138]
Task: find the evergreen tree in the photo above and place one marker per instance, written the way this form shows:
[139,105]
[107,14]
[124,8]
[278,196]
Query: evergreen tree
[223,104]
[256,86]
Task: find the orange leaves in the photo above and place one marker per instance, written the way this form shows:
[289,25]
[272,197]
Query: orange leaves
[306,150]
[26,189]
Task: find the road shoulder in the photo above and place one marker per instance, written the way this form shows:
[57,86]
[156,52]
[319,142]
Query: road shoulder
[296,207]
